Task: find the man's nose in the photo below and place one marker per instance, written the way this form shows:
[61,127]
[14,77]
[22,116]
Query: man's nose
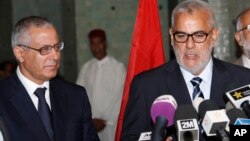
[190,42]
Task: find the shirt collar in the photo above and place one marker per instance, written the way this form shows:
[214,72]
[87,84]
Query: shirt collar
[29,85]
[205,75]
[104,60]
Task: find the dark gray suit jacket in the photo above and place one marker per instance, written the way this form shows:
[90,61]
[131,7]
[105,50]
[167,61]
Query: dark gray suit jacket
[168,79]
[70,107]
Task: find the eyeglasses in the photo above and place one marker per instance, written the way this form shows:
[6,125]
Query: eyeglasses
[198,37]
[46,49]
[244,28]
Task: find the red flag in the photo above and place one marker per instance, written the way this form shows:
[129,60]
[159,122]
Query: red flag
[146,52]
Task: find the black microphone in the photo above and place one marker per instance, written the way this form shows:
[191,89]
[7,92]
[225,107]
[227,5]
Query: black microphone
[237,117]
[214,120]
[246,107]
[162,114]
[234,114]
[186,123]
[4,131]
[159,129]
[240,98]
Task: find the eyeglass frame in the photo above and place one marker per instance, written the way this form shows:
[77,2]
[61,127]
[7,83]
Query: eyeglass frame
[188,35]
[46,46]
[244,28]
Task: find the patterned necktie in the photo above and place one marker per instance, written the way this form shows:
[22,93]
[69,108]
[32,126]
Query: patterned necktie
[196,81]
[44,112]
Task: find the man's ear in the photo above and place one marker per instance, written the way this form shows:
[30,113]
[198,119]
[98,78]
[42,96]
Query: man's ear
[171,36]
[19,52]
[215,34]
[238,38]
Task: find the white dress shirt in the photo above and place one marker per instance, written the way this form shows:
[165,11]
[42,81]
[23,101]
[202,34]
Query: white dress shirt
[205,75]
[246,61]
[104,80]
[1,136]
[31,87]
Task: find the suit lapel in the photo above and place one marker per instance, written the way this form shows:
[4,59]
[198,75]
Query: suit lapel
[177,84]
[59,106]
[26,109]
[220,82]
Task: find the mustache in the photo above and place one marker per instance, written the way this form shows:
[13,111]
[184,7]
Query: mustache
[52,62]
[191,53]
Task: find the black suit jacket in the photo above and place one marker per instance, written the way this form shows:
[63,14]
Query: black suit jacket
[168,79]
[70,107]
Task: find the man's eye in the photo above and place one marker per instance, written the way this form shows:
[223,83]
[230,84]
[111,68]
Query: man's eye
[180,35]
[45,48]
[57,46]
[199,35]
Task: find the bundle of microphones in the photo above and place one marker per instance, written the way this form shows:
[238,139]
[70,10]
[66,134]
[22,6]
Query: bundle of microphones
[203,117]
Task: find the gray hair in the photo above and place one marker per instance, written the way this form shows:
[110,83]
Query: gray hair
[189,6]
[238,18]
[20,34]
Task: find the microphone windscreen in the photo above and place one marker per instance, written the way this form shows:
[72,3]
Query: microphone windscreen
[207,105]
[229,106]
[196,103]
[165,106]
[185,111]
[235,113]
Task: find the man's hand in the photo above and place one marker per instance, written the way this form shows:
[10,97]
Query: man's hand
[99,124]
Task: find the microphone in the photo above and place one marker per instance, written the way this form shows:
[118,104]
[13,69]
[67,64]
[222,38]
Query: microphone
[240,98]
[237,117]
[214,120]
[162,114]
[229,106]
[186,123]
[4,134]
[196,103]
[145,136]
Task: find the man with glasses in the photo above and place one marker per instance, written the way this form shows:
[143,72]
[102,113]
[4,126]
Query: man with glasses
[194,73]
[34,104]
[242,36]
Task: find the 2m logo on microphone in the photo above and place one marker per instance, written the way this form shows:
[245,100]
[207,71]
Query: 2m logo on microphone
[187,124]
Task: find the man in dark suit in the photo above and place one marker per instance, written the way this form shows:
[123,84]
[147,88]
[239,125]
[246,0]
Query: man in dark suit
[193,36]
[34,104]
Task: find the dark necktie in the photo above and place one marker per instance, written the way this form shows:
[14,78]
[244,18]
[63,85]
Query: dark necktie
[196,84]
[44,112]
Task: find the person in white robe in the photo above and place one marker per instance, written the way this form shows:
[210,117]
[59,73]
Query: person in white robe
[103,77]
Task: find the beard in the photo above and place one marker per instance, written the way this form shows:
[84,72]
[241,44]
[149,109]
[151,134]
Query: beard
[200,66]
